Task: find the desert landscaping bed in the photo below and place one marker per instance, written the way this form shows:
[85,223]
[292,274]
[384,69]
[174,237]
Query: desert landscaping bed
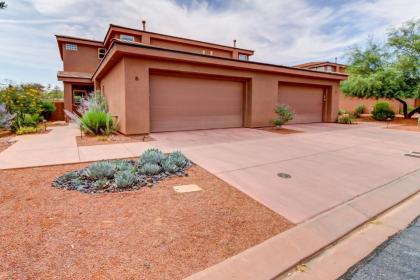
[116,138]
[398,123]
[150,233]
[280,130]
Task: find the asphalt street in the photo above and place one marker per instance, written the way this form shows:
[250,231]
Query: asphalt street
[396,259]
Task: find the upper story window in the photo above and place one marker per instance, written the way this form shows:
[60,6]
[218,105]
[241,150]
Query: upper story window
[127,38]
[71,47]
[330,68]
[320,68]
[101,52]
[243,57]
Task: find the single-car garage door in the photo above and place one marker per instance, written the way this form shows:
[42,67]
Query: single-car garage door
[188,103]
[305,101]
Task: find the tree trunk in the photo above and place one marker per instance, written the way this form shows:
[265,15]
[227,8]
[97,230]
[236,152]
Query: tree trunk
[417,110]
[405,107]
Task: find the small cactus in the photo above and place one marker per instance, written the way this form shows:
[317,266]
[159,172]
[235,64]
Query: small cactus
[150,169]
[153,156]
[101,169]
[125,179]
[125,165]
[178,159]
[169,166]
[101,183]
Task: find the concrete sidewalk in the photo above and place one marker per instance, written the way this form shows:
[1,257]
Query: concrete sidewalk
[59,147]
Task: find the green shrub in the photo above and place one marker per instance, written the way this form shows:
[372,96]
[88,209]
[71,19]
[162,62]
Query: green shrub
[97,123]
[125,179]
[342,112]
[22,100]
[150,169]
[47,108]
[382,111]
[359,110]
[345,119]
[27,130]
[284,115]
[25,120]
[153,156]
[100,170]
[178,158]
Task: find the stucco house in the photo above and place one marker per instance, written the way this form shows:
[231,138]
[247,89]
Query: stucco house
[350,103]
[155,82]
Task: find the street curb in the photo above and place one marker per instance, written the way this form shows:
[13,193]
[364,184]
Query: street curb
[279,254]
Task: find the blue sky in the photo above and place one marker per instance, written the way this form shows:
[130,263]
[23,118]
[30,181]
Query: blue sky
[281,32]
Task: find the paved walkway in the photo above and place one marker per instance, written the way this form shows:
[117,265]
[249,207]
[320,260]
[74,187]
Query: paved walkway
[59,147]
[329,164]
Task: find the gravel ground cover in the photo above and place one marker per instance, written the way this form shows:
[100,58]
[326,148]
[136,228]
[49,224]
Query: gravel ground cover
[149,233]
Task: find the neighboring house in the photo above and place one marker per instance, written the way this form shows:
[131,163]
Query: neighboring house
[155,82]
[350,103]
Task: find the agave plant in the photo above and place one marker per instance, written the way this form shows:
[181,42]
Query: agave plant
[150,169]
[152,156]
[169,166]
[178,158]
[100,169]
[125,179]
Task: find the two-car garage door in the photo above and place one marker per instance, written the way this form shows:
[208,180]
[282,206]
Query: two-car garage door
[188,103]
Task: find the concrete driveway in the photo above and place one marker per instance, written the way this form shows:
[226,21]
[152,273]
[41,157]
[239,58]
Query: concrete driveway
[329,164]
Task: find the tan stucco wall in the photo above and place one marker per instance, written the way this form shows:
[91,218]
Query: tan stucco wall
[113,87]
[85,59]
[350,103]
[68,98]
[262,93]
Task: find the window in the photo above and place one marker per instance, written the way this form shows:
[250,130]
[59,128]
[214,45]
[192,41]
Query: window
[330,68]
[101,52]
[78,95]
[71,47]
[127,38]
[243,56]
[320,68]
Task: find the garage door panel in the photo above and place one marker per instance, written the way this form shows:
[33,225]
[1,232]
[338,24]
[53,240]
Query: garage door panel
[187,103]
[306,102]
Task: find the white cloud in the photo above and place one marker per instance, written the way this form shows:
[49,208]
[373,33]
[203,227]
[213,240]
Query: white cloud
[280,31]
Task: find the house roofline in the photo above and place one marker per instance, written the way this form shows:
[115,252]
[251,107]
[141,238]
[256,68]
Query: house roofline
[78,40]
[171,36]
[139,45]
[307,64]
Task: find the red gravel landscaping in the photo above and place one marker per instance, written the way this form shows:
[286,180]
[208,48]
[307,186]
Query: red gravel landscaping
[152,233]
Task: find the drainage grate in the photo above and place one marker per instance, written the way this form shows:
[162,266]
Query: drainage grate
[284,175]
